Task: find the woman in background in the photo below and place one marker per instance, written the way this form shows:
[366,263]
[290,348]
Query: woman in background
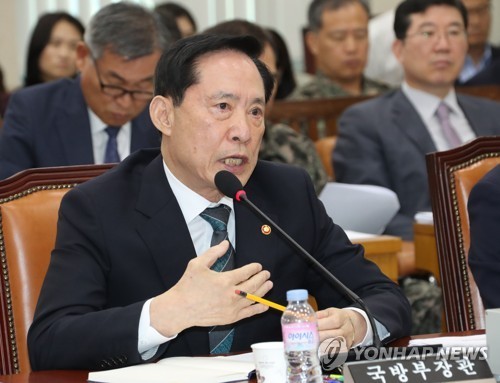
[52,48]
[286,80]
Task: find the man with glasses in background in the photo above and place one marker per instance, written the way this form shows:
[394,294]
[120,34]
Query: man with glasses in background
[384,141]
[101,116]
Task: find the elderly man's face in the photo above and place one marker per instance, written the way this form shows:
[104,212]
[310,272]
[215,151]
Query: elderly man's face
[341,45]
[434,49]
[218,126]
[114,71]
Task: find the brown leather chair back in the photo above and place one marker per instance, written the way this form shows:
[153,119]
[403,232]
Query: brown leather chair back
[486,91]
[29,204]
[315,118]
[324,147]
[452,175]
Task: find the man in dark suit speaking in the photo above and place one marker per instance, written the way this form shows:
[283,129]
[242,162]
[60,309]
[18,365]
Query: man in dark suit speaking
[137,274]
[484,253]
[384,141]
[101,115]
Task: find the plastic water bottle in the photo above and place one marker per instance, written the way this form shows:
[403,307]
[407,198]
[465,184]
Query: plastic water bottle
[301,340]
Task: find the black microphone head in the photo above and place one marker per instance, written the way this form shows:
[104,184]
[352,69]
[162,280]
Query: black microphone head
[228,183]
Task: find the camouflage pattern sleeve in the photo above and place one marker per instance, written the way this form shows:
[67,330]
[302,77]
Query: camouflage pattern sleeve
[322,87]
[283,144]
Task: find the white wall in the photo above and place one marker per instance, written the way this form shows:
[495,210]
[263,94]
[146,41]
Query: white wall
[18,17]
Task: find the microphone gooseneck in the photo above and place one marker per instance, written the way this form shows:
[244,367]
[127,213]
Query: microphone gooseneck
[231,187]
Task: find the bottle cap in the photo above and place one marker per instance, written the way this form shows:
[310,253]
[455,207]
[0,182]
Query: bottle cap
[297,295]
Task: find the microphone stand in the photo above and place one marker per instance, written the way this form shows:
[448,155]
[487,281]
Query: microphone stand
[241,196]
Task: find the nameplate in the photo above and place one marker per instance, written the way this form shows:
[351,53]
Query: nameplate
[435,368]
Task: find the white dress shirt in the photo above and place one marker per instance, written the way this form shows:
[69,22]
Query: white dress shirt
[192,205]
[426,105]
[100,138]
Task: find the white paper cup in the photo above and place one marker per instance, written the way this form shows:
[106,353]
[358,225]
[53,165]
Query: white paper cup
[270,366]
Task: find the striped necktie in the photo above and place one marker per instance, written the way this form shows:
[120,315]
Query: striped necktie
[449,132]
[220,337]
[111,155]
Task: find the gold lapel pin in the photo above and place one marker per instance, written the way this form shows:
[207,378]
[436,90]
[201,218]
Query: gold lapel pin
[265,229]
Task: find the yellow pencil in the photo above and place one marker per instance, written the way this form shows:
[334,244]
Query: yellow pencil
[255,298]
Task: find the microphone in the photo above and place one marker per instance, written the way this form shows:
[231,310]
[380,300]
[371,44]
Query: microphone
[231,187]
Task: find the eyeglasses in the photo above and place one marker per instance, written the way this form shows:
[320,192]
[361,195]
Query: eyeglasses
[116,91]
[432,35]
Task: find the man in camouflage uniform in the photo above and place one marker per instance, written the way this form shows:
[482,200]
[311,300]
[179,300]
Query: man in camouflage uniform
[320,86]
[283,144]
[338,39]
[425,299]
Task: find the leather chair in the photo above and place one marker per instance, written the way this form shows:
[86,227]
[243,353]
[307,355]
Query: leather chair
[324,147]
[316,118]
[452,174]
[29,204]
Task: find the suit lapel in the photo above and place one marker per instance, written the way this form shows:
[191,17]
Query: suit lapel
[163,216]
[479,121]
[252,245]
[407,119]
[171,253]
[74,127]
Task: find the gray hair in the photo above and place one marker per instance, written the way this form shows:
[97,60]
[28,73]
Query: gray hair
[127,30]
[317,7]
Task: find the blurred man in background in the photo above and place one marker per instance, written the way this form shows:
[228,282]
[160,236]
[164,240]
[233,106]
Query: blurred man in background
[338,39]
[481,53]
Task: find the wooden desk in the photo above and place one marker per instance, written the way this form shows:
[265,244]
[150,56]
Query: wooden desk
[383,250]
[81,376]
[425,249]
[46,377]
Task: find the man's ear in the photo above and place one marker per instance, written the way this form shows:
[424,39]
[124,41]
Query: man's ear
[161,110]
[397,49]
[312,42]
[82,53]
